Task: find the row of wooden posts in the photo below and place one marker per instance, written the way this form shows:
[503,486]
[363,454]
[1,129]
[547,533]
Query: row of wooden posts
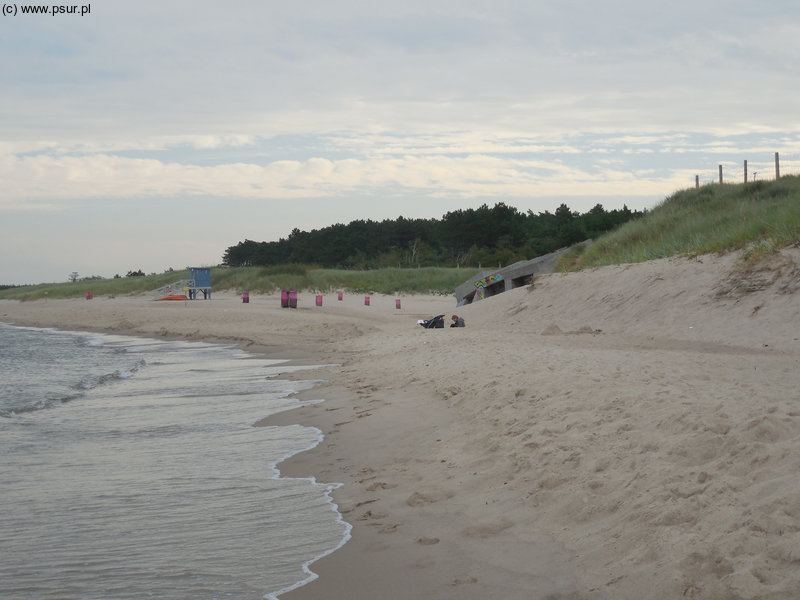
[777,172]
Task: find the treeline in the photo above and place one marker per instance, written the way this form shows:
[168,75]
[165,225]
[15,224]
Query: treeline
[472,237]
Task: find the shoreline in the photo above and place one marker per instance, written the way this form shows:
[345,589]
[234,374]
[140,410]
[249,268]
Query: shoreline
[331,487]
[624,432]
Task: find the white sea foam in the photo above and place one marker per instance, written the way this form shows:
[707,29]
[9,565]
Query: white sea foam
[347,528]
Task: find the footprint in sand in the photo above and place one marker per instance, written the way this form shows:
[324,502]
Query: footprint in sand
[366,502]
[552,329]
[420,499]
[369,516]
[426,541]
[485,530]
[467,581]
[380,485]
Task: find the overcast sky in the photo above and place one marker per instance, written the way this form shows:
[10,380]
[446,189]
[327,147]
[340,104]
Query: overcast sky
[147,135]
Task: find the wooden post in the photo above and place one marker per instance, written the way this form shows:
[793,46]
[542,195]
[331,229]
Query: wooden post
[777,167]
[697,181]
[745,170]
[720,173]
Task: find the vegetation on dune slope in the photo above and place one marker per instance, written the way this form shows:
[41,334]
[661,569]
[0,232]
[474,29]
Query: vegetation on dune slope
[761,216]
[426,280]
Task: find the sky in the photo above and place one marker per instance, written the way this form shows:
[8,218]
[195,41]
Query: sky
[151,134]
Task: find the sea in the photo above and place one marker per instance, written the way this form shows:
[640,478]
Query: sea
[131,468]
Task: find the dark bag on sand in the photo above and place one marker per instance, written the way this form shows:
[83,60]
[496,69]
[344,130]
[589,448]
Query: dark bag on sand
[436,322]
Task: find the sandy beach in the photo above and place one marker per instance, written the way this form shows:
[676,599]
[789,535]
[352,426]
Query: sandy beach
[627,432]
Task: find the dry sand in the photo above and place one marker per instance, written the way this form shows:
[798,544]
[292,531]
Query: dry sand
[623,433]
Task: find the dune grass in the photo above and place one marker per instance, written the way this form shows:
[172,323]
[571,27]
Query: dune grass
[100,287]
[378,281]
[429,280]
[762,216]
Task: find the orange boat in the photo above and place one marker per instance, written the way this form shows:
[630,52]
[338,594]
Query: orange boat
[173,297]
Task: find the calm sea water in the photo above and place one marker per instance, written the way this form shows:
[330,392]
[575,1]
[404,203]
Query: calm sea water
[129,468]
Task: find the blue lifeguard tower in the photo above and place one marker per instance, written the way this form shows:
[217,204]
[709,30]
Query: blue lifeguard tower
[198,280]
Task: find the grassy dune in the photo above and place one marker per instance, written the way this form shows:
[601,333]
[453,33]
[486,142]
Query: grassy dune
[380,281]
[762,216]
[430,280]
[100,287]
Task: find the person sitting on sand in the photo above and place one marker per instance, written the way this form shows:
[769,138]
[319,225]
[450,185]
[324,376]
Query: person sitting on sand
[457,321]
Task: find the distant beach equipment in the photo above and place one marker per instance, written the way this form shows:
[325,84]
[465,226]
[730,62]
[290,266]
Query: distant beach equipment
[284,298]
[89,295]
[319,300]
[198,279]
[366,300]
[292,299]
[246,298]
[397,303]
[341,296]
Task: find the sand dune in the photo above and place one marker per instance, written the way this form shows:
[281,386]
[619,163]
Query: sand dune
[627,432]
